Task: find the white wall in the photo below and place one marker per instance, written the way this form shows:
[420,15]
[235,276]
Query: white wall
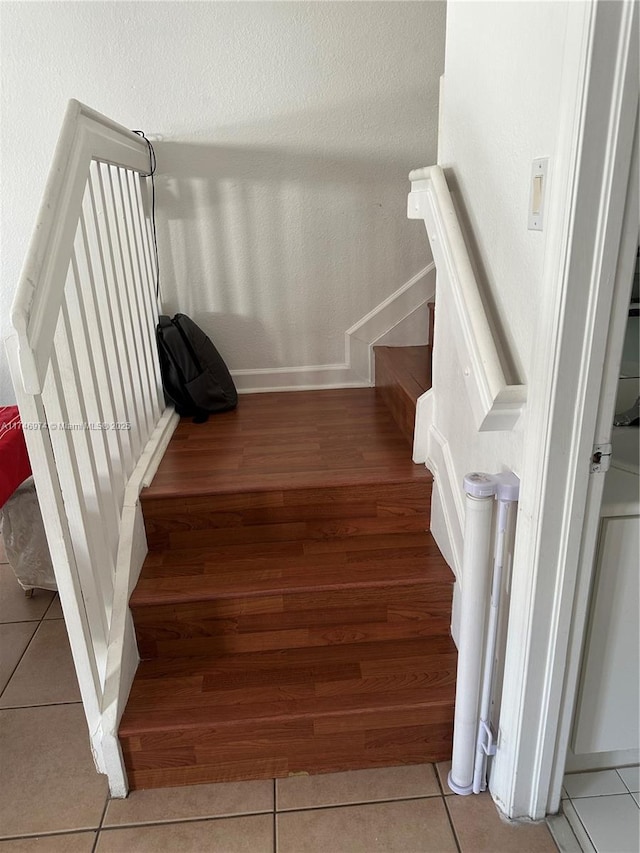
[285,134]
[501,109]
[527,80]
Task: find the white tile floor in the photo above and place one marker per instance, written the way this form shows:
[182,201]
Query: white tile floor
[603,809]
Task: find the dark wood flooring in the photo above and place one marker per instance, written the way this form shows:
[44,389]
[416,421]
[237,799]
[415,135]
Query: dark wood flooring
[286,440]
[293,612]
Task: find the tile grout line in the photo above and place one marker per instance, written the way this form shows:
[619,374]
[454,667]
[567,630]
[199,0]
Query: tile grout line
[601,796]
[102,828]
[316,808]
[563,834]
[53,833]
[618,769]
[452,825]
[438,782]
[174,821]
[39,705]
[621,779]
[26,621]
[446,808]
[56,594]
[582,823]
[275,816]
[13,671]
[100,824]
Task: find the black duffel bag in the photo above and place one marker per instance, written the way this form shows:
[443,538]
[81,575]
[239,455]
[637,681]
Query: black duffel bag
[194,376]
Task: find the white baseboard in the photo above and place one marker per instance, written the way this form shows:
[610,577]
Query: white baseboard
[308,378]
[447,506]
[378,325]
[447,515]
[390,321]
[600,760]
[423,421]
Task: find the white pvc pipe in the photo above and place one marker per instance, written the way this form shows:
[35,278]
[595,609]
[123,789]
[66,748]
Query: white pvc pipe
[484,745]
[476,574]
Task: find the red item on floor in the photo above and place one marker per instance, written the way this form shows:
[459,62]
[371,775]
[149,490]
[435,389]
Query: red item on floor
[14,460]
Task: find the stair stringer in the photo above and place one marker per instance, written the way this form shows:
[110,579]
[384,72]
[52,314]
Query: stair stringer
[122,652]
[447,507]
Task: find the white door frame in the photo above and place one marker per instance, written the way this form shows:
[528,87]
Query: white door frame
[587,231]
[606,410]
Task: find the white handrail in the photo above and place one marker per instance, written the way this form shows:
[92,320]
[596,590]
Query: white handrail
[496,402]
[86,374]
[85,136]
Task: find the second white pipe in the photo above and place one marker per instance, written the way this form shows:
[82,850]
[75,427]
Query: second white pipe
[476,574]
[479,776]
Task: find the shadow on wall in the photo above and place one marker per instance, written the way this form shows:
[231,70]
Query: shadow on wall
[278,249]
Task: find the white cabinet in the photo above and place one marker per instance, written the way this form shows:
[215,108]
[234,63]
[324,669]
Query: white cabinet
[608,713]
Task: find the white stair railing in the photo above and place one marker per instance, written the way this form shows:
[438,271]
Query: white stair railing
[496,401]
[85,369]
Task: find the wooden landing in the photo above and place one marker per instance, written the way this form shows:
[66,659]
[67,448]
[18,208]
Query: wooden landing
[293,611]
[286,440]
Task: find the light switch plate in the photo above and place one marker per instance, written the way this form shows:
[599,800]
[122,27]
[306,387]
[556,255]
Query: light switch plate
[538,193]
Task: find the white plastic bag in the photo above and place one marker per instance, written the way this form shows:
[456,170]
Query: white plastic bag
[24,539]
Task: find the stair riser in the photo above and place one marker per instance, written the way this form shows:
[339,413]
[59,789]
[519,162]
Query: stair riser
[293,621]
[402,374]
[327,744]
[294,514]
[398,402]
[201,536]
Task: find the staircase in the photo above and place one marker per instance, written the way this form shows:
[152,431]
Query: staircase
[293,612]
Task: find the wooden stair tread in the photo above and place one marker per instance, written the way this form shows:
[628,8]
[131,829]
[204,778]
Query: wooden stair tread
[291,566]
[286,440]
[410,366]
[288,684]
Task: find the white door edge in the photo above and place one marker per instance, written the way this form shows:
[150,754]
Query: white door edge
[591,526]
[585,227]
